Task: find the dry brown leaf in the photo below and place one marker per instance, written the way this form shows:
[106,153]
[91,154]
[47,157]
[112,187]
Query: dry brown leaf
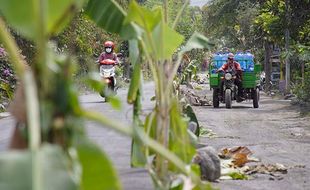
[230,152]
[239,159]
[241,149]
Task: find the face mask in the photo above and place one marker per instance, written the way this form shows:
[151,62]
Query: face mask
[108,50]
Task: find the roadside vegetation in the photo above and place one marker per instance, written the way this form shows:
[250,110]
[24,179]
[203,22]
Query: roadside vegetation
[266,28]
[43,55]
[51,117]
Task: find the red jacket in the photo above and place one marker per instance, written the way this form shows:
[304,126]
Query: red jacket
[112,56]
[236,66]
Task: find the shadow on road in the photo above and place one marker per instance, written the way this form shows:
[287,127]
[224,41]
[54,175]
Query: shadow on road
[93,102]
[233,107]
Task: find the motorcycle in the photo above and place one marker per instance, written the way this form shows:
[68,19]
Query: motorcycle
[262,81]
[107,74]
[230,90]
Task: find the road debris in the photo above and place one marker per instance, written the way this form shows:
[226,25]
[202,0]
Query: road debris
[193,98]
[270,169]
[204,132]
[239,155]
[209,162]
[202,78]
[233,165]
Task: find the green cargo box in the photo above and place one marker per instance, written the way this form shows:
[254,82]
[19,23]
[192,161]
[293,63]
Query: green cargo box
[249,80]
[214,80]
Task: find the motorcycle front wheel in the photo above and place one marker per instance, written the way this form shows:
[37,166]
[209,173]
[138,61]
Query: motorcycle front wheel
[228,98]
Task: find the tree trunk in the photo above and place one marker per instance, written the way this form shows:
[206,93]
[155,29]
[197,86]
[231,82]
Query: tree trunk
[267,65]
[287,47]
[303,73]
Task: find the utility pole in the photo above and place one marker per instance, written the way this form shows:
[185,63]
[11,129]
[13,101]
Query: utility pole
[287,46]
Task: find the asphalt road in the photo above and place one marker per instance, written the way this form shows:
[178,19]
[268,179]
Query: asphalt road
[275,133]
[115,145]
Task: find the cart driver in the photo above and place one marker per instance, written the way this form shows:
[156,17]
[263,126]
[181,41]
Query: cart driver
[235,66]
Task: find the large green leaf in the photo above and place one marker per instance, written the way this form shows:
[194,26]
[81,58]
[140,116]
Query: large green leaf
[20,15]
[98,173]
[24,15]
[56,172]
[94,81]
[131,31]
[137,148]
[197,41]
[60,12]
[188,110]
[134,51]
[16,170]
[107,14]
[17,166]
[166,41]
[145,18]
[134,84]
[179,137]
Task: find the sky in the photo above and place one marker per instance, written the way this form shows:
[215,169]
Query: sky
[199,3]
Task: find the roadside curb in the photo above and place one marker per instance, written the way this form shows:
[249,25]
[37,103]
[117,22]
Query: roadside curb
[4,115]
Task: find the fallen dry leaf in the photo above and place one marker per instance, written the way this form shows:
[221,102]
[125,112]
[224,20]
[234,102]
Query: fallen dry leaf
[240,155]
[230,152]
[267,169]
[239,159]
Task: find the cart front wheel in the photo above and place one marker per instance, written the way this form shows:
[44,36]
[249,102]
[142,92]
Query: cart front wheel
[228,98]
[216,101]
[255,95]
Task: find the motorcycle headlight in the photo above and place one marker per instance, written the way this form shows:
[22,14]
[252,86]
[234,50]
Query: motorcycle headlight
[228,76]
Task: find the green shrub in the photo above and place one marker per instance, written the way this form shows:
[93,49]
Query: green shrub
[302,90]
[7,77]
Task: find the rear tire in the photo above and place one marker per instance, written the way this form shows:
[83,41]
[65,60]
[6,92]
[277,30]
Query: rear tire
[228,98]
[255,95]
[216,101]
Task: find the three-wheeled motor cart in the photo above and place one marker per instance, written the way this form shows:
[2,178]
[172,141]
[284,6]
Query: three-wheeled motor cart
[223,86]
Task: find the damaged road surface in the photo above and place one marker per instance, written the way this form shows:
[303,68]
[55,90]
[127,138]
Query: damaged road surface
[275,133]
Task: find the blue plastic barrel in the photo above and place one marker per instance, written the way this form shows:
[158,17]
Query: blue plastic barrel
[250,61]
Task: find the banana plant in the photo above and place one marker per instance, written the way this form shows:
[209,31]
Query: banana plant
[57,130]
[156,42]
[59,154]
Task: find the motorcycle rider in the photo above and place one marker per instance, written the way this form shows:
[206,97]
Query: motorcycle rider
[235,66]
[109,52]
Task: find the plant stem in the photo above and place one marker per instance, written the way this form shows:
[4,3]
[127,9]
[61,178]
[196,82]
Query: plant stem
[12,49]
[138,133]
[174,70]
[39,66]
[165,8]
[181,11]
[33,119]
[33,116]
[40,82]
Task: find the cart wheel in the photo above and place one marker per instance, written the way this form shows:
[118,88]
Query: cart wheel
[228,98]
[255,95]
[216,101]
